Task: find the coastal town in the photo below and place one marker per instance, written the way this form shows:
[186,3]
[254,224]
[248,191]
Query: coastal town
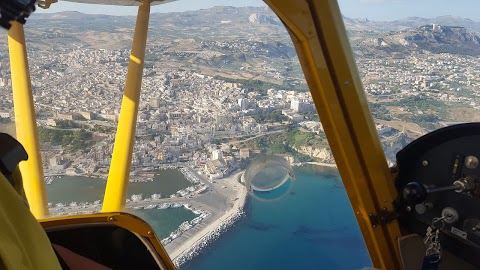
[211,105]
[184,117]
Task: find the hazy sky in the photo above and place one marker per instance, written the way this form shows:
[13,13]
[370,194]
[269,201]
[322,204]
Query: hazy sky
[397,9]
[371,9]
[181,5]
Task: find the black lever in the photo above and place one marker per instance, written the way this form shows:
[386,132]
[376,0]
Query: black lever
[415,193]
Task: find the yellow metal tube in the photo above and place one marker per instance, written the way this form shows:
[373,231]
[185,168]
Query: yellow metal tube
[25,121]
[117,183]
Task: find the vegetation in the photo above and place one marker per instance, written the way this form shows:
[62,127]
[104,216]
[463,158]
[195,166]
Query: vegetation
[298,138]
[103,129]
[271,117]
[285,143]
[421,103]
[74,140]
[379,111]
[66,124]
[312,116]
[427,121]
[280,148]
[262,87]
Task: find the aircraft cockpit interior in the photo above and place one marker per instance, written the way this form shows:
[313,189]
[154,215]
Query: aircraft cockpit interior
[438,184]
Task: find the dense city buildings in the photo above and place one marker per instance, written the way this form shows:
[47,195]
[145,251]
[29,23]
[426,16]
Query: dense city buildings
[215,101]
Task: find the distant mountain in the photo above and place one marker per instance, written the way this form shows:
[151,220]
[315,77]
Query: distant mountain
[259,15]
[203,17]
[263,19]
[220,15]
[73,15]
[455,35]
[408,23]
[433,38]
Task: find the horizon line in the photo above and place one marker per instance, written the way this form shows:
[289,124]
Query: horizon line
[184,11]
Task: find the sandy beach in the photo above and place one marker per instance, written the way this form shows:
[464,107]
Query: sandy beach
[187,249]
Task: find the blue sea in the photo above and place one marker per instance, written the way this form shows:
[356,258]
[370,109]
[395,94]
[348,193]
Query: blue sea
[310,224]
[311,227]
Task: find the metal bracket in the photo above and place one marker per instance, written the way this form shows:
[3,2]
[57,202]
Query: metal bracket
[384,217]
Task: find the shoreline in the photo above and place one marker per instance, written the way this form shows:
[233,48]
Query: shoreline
[213,229]
[322,164]
[133,178]
[193,246]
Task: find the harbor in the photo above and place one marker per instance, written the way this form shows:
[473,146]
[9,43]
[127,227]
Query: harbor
[276,229]
[208,231]
[205,208]
[196,221]
[66,189]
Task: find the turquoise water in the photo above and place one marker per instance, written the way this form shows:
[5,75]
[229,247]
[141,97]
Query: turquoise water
[165,221]
[85,189]
[68,189]
[312,227]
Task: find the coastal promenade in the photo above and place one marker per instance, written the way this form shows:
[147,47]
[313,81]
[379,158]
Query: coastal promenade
[187,245]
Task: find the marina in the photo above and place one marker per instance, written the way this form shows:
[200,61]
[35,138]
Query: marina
[188,222]
[168,180]
[176,218]
[180,219]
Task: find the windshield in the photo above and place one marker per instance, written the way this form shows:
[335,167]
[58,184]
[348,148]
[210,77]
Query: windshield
[418,65]
[222,92]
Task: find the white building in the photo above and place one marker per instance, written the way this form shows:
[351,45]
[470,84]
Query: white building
[299,105]
[296,105]
[216,154]
[243,103]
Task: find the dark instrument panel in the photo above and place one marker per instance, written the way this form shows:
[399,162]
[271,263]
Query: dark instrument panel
[439,182]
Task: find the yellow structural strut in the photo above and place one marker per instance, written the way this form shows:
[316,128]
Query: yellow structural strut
[26,124]
[117,183]
[320,38]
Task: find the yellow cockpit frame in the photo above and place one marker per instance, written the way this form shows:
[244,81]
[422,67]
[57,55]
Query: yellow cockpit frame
[318,33]
[123,220]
